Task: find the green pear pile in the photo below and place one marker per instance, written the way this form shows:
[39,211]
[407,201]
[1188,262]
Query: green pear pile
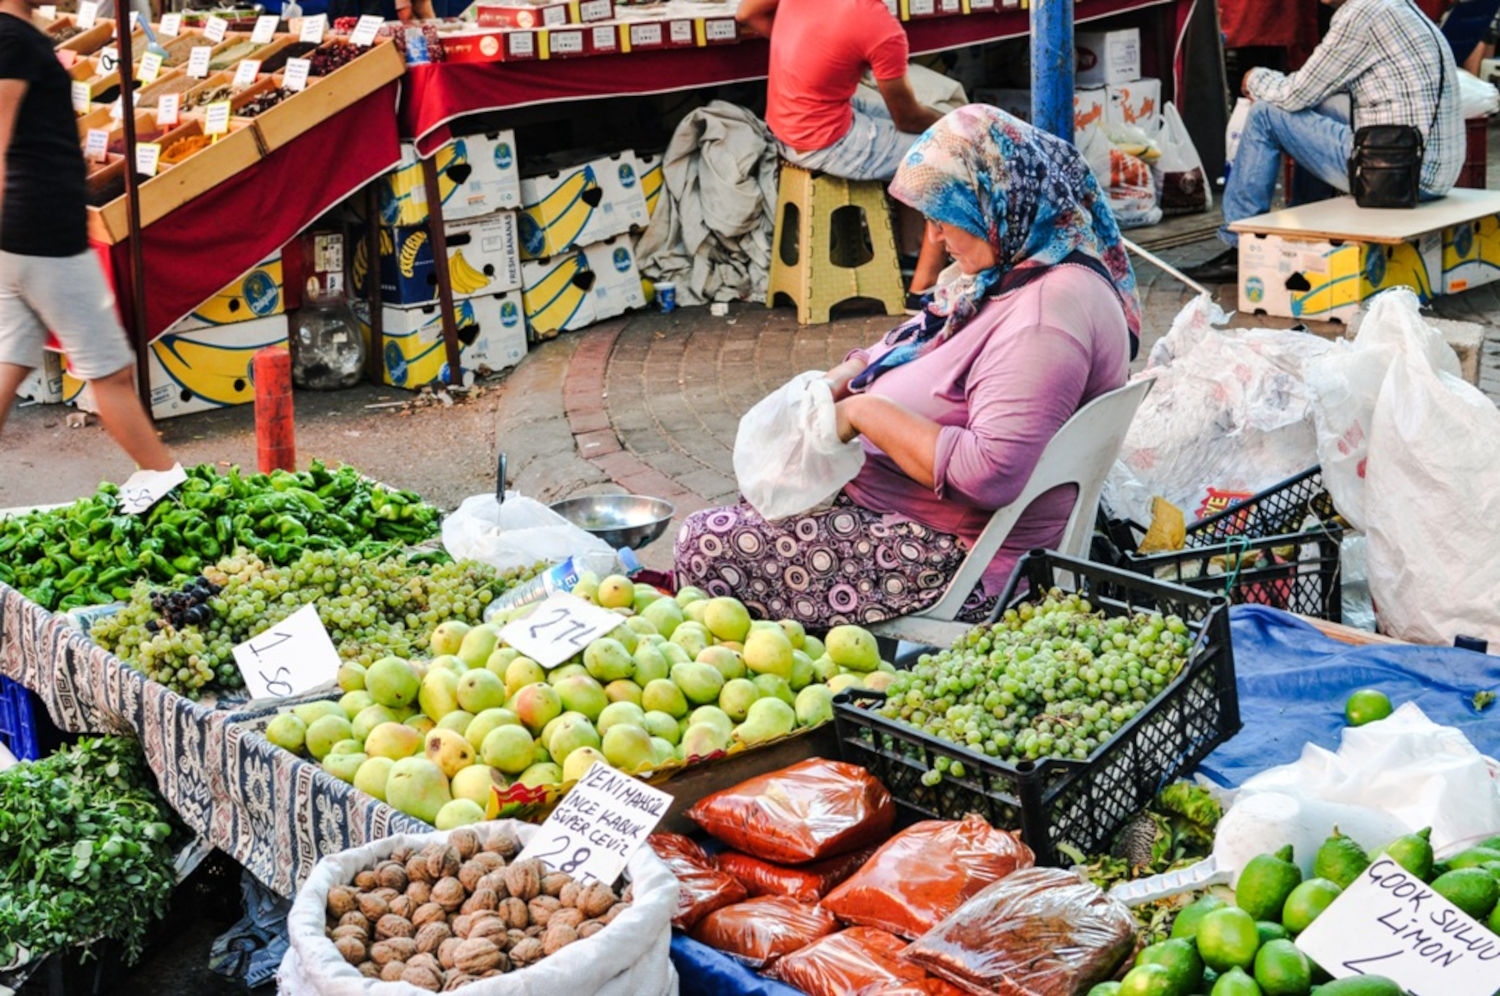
[681,678]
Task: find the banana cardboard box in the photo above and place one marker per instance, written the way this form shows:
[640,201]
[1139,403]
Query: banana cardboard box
[491,335]
[44,385]
[482,259]
[477,175]
[256,294]
[1471,254]
[195,370]
[580,205]
[1329,281]
[558,294]
[617,281]
[648,168]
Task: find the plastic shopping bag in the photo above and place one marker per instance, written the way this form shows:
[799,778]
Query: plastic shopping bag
[787,455]
[1125,178]
[1180,177]
[1235,128]
[520,533]
[1476,98]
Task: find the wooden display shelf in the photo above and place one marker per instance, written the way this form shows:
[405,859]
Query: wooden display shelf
[325,96]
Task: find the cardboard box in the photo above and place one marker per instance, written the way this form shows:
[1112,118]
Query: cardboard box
[199,370]
[617,281]
[580,41]
[325,96]
[1471,254]
[1329,281]
[482,259]
[497,45]
[1137,103]
[491,335]
[1088,106]
[556,294]
[257,294]
[477,175]
[580,205]
[543,14]
[1108,56]
[44,385]
[646,35]
[715,31]
[648,169]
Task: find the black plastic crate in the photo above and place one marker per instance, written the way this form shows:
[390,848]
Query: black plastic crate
[1298,573]
[1280,510]
[1065,808]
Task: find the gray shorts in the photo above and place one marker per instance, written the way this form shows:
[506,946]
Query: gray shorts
[69,296]
[871,149]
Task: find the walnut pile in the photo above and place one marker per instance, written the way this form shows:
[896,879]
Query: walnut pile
[457,912]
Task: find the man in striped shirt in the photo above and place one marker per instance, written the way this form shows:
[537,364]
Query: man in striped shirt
[1394,64]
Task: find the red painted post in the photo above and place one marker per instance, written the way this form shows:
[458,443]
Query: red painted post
[275,435]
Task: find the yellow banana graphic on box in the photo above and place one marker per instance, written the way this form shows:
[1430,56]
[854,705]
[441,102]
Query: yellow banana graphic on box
[255,295]
[555,299]
[465,278]
[398,186]
[409,250]
[360,266]
[216,372]
[560,217]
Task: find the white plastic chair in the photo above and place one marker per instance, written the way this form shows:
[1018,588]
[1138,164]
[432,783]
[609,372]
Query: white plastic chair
[1080,454]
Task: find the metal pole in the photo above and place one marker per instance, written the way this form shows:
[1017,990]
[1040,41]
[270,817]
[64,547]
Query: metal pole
[1052,66]
[136,319]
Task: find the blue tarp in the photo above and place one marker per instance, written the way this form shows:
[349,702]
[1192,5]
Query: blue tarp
[706,972]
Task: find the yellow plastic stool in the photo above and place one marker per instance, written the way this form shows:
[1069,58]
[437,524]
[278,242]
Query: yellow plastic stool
[833,242]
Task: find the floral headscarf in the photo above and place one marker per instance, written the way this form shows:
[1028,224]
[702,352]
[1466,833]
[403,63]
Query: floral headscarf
[1028,193]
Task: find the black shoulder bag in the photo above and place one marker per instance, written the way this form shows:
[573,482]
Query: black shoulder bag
[1385,165]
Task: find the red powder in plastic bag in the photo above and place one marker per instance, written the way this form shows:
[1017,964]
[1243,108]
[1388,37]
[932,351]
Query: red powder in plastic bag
[1036,932]
[845,962]
[702,887]
[761,930]
[805,883]
[926,872]
[811,810]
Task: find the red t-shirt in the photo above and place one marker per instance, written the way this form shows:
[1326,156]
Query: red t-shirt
[819,50]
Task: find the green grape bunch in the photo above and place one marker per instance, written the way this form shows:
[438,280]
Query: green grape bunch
[1052,678]
[370,606]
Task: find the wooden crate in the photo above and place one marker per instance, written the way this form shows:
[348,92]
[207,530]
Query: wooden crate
[325,96]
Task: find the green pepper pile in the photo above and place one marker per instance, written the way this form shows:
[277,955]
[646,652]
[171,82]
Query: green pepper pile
[90,552]
[84,850]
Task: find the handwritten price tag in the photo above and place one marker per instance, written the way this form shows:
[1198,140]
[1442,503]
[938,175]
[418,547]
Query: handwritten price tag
[109,60]
[147,158]
[79,92]
[313,28]
[1389,923]
[244,73]
[48,10]
[117,109]
[168,109]
[145,488]
[135,22]
[150,68]
[598,825]
[96,146]
[214,29]
[171,25]
[365,30]
[265,29]
[559,628]
[216,118]
[289,657]
[295,77]
[198,61]
[88,13]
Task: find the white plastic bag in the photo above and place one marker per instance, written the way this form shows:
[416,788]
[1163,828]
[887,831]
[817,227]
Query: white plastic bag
[1476,98]
[1345,382]
[519,533]
[627,958]
[1229,416]
[1125,178]
[1181,180]
[1235,128]
[1433,501]
[787,455]
[1390,777]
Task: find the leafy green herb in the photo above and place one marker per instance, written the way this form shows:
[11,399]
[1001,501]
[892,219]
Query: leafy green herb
[1483,700]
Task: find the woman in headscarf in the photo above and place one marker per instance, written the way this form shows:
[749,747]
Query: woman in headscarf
[1036,316]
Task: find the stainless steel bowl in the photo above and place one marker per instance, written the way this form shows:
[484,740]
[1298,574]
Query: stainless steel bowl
[619,520]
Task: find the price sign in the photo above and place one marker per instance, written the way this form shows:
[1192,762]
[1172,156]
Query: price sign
[145,488]
[79,92]
[565,42]
[48,10]
[171,25]
[117,109]
[1389,923]
[720,29]
[214,29]
[681,32]
[604,38]
[147,158]
[559,628]
[598,825]
[313,28]
[109,60]
[198,60]
[150,68]
[295,77]
[288,657]
[96,146]
[265,29]
[244,73]
[216,118]
[168,109]
[521,44]
[88,13]
[364,31]
[135,22]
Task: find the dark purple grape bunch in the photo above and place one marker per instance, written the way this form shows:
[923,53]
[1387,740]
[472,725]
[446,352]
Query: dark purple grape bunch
[188,606]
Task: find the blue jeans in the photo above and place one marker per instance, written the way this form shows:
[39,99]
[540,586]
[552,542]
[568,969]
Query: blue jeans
[1319,139]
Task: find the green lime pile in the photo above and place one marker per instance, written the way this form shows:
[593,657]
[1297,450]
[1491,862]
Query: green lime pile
[1247,949]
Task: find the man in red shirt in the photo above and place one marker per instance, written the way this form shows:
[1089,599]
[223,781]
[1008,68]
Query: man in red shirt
[819,51]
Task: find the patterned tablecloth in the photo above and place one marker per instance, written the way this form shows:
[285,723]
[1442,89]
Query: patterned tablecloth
[273,812]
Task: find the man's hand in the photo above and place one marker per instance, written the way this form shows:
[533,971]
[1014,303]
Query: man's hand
[911,116]
[1245,84]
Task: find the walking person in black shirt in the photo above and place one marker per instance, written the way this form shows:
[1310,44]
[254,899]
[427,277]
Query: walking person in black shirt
[49,278]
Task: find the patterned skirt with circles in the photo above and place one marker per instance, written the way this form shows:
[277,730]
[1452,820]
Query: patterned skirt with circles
[844,564]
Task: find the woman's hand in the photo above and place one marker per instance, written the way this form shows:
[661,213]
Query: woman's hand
[843,417]
[839,377]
